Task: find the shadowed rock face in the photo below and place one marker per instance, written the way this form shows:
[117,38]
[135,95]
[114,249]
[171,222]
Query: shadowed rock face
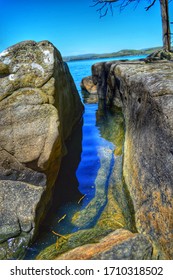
[103,78]
[148,161]
[145,92]
[39,106]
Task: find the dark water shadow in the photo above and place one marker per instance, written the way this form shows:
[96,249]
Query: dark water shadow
[66,185]
[64,196]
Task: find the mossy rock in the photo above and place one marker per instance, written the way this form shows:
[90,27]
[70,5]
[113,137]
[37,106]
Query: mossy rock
[72,241]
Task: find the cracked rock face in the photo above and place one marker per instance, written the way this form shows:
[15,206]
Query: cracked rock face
[145,93]
[147,96]
[39,105]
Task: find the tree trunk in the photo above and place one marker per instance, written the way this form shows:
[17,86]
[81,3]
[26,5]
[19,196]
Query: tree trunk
[165,25]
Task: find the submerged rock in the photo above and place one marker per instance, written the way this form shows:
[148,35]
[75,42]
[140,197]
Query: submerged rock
[118,245]
[133,217]
[39,106]
[109,210]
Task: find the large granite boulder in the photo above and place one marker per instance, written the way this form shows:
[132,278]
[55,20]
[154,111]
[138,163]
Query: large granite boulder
[39,106]
[145,92]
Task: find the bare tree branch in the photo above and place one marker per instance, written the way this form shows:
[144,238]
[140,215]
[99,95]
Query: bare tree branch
[107,5]
[105,13]
[101,9]
[111,9]
[97,2]
[152,4]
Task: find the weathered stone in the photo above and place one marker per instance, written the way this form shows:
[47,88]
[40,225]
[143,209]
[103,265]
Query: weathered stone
[17,213]
[120,244]
[103,77]
[99,76]
[89,90]
[39,108]
[145,92]
[88,85]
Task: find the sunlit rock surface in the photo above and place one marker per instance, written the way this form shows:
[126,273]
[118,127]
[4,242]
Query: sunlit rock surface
[88,85]
[39,106]
[145,92]
[148,158]
[135,219]
[89,90]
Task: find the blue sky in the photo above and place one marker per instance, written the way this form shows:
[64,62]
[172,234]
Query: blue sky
[75,28]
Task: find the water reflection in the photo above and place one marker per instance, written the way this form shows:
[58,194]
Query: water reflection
[89,98]
[110,122]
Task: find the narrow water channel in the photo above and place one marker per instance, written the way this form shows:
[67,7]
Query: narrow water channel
[82,184]
[76,180]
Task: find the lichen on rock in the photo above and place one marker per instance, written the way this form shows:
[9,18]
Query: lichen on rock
[144,91]
[39,106]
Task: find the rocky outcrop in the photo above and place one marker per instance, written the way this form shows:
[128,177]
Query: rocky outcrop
[88,85]
[106,84]
[145,93]
[39,106]
[89,90]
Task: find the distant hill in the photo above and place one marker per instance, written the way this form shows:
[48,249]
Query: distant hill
[109,55]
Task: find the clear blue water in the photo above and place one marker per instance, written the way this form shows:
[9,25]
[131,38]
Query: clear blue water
[87,170]
[81,69]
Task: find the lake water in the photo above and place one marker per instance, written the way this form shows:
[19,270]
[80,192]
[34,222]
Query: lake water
[87,164]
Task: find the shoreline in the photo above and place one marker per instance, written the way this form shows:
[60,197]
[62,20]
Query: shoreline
[122,53]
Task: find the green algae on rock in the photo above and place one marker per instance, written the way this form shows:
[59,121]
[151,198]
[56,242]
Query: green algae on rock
[119,244]
[111,209]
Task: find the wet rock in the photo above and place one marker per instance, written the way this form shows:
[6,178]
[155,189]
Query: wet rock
[111,208]
[118,245]
[90,213]
[39,106]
